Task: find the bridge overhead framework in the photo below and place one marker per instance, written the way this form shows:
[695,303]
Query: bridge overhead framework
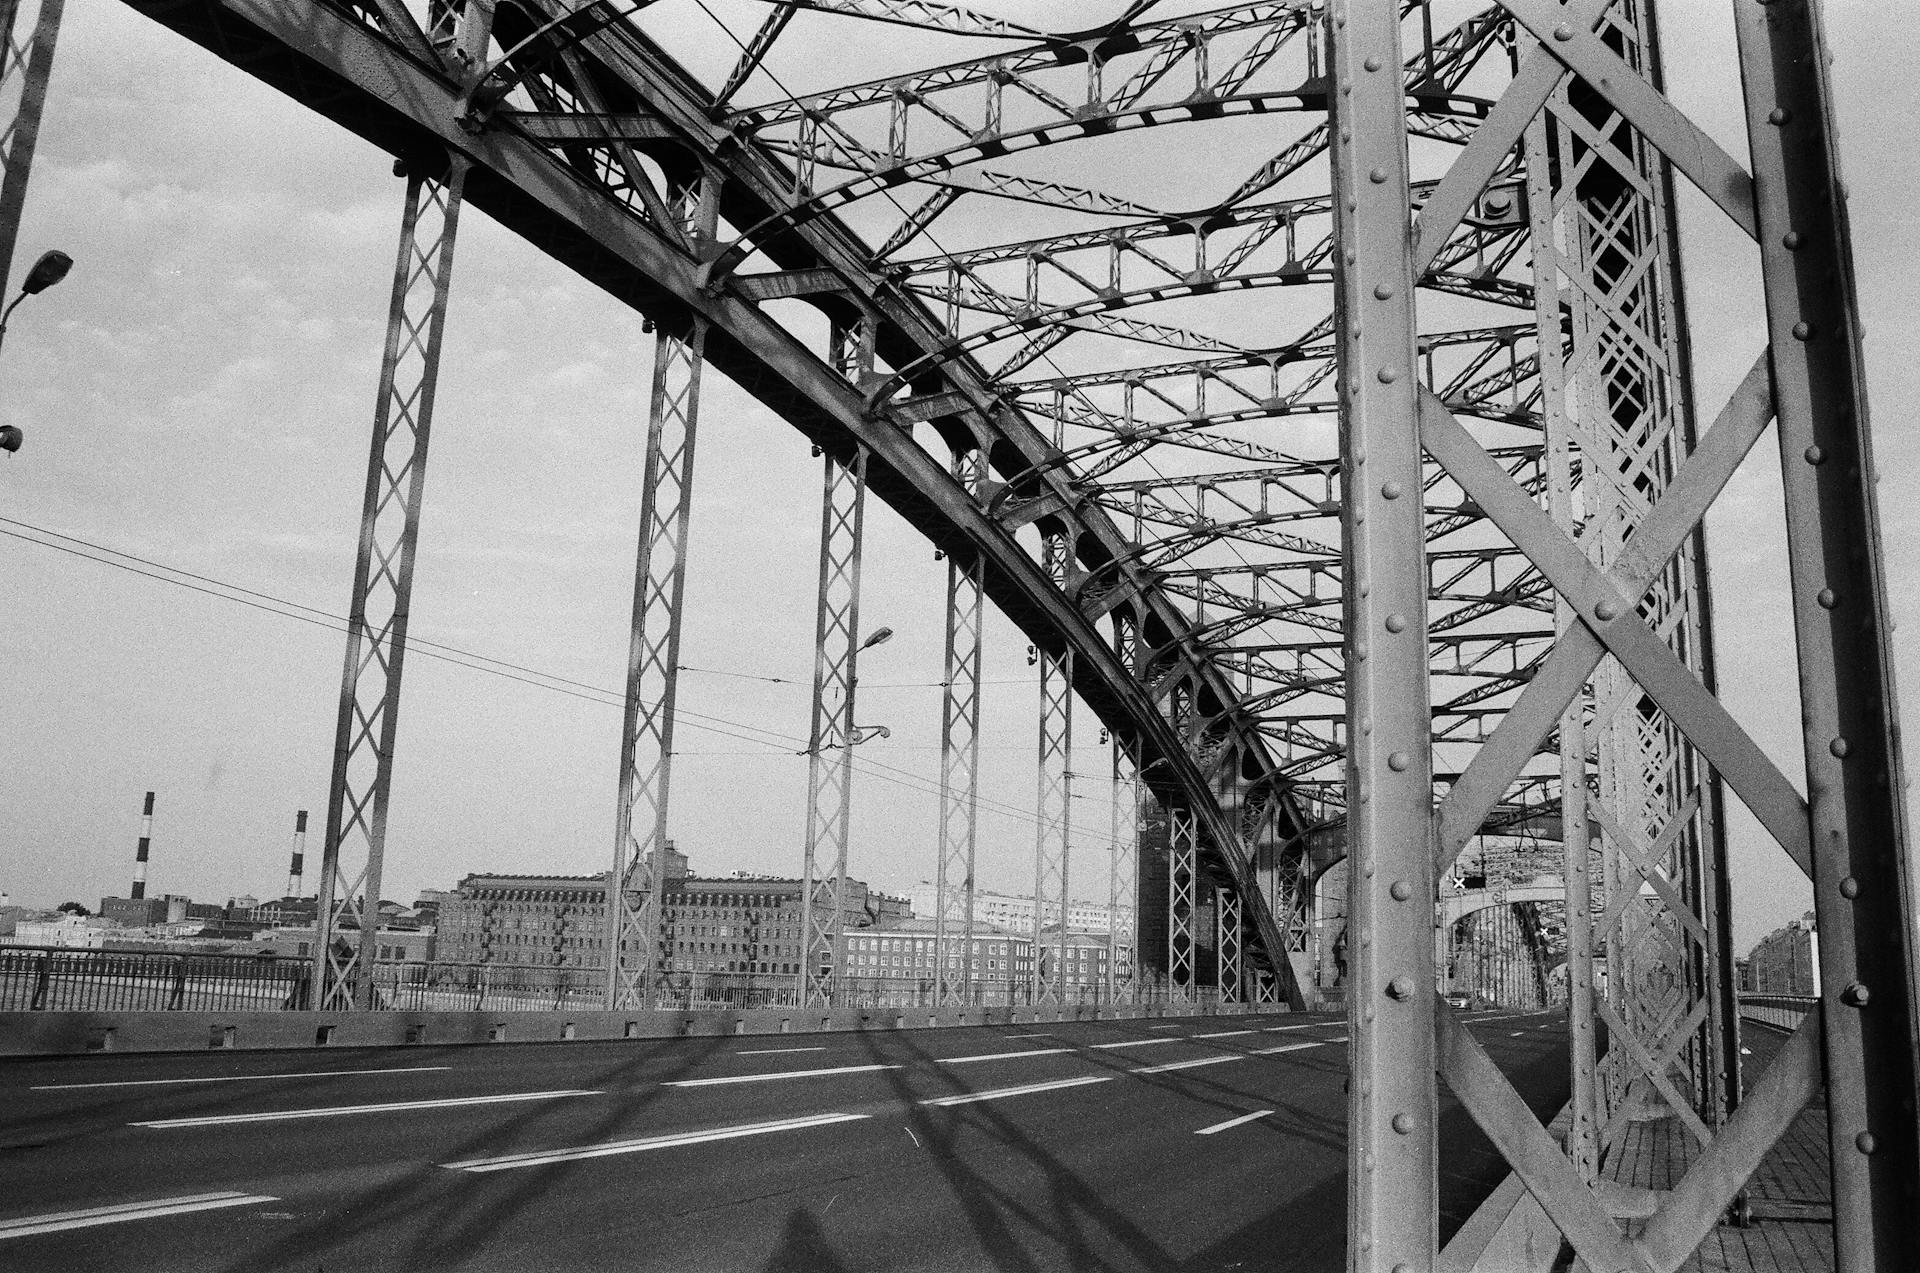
[1356,497]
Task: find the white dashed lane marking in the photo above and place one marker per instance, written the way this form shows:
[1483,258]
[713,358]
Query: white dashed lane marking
[778,1074]
[967,1098]
[241,1078]
[1137,1043]
[1188,1065]
[999,1056]
[60,1220]
[540,1158]
[385,1107]
[778,1051]
[1233,1122]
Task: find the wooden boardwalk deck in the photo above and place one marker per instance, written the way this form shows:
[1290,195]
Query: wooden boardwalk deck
[1792,1226]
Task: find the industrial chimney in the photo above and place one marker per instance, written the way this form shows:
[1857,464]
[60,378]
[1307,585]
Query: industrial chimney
[298,868]
[140,854]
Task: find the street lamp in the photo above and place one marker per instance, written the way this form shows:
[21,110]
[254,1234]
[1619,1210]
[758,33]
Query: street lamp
[48,270]
[857,734]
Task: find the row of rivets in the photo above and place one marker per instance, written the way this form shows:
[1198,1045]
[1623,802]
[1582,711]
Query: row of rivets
[1855,994]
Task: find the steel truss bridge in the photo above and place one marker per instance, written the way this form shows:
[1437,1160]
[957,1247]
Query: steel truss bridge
[1359,500]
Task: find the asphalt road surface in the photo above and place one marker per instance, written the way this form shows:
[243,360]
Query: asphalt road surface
[1189,1144]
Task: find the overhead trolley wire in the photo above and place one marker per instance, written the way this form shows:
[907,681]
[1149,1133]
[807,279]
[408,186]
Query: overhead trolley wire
[773,742]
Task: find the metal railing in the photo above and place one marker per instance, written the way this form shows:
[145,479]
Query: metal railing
[1784,1011]
[64,979]
[56,979]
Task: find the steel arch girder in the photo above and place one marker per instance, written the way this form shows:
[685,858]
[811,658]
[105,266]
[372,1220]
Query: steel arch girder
[344,71]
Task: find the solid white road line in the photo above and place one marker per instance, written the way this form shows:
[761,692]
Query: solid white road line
[1305,1025]
[998,1092]
[1290,1047]
[1220,1034]
[1137,1043]
[240,1078]
[779,1051]
[383,1108]
[128,1211]
[778,1074]
[1233,1122]
[1188,1065]
[541,1158]
[999,1056]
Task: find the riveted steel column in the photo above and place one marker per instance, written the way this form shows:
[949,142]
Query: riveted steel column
[1583,1132]
[634,934]
[959,764]
[1183,848]
[831,741]
[1123,882]
[1226,912]
[1390,1004]
[1862,883]
[354,852]
[1053,802]
[26,64]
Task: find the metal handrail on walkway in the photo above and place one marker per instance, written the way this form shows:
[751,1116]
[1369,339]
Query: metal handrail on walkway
[1784,1011]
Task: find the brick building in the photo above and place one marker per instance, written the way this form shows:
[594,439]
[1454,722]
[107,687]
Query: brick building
[903,951]
[1782,962]
[730,924]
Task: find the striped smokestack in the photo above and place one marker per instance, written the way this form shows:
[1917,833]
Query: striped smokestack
[140,854]
[299,867]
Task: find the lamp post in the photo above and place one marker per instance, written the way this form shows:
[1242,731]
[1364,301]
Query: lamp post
[48,270]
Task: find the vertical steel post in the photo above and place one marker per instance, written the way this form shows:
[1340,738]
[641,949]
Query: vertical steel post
[833,735]
[634,934]
[1226,911]
[354,852]
[1183,868]
[26,64]
[1863,888]
[1583,1132]
[1054,800]
[959,764]
[1390,1003]
[1123,882]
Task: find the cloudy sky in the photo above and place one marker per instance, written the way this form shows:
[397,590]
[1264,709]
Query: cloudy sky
[197,398]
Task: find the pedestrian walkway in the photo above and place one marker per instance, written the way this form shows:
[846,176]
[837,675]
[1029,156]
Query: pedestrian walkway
[1789,1214]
